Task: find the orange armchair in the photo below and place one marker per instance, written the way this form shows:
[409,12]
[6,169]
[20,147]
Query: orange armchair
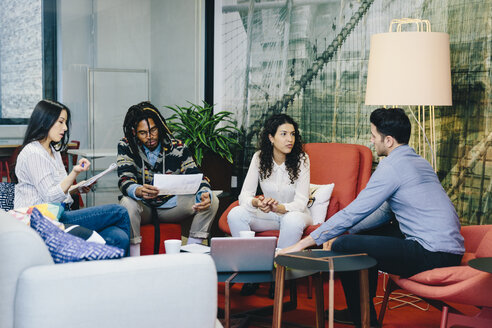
[347,165]
[459,284]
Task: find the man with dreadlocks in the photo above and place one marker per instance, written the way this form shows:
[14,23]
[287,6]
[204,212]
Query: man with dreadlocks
[149,148]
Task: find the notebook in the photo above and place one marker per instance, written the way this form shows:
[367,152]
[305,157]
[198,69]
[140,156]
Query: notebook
[235,254]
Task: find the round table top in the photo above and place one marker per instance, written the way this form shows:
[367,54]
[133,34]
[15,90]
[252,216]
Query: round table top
[482,264]
[262,276]
[317,260]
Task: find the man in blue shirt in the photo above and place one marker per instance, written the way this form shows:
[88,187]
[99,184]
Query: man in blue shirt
[403,186]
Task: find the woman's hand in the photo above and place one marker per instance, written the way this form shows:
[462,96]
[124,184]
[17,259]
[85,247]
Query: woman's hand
[82,166]
[266,204]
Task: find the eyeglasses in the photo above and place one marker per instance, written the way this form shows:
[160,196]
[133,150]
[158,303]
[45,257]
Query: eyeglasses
[145,134]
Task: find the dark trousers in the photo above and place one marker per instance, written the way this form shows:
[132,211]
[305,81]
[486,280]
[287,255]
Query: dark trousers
[393,255]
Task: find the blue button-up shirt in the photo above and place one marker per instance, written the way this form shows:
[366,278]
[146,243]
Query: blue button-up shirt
[405,184]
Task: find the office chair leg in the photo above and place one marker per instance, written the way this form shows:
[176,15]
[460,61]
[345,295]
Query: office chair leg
[157,230]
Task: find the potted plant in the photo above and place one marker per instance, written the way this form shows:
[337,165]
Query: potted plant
[212,139]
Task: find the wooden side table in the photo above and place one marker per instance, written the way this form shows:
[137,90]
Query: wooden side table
[323,261]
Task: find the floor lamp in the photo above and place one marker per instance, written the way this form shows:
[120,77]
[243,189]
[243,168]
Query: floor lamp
[411,68]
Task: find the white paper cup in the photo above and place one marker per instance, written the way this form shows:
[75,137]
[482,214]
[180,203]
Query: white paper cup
[172,246]
[246,234]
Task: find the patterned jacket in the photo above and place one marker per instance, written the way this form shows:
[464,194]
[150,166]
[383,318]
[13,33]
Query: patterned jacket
[177,160]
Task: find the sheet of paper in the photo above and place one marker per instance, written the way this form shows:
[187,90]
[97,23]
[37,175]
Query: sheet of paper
[196,248]
[177,184]
[90,181]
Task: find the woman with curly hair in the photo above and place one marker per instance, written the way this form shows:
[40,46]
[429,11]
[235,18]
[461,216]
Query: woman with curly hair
[282,169]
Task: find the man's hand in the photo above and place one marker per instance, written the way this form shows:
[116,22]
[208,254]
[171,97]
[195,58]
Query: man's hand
[297,247]
[147,191]
[204,204]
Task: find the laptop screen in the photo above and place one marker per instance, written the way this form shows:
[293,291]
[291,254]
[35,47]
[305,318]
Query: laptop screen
[236,254]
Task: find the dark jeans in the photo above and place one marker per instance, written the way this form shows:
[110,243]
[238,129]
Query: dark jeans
[394,255]
[110,221]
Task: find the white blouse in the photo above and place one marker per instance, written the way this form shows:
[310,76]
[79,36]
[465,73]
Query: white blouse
[39,176]
[294,196]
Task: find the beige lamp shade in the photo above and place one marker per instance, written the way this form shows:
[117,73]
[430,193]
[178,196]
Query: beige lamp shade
[409,68]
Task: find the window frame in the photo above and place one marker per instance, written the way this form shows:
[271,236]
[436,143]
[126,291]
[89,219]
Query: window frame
[49,57]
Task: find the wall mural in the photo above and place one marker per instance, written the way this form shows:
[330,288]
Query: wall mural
[308,58]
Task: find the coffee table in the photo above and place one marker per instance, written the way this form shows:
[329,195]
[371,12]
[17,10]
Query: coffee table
[260,277]
[322,261]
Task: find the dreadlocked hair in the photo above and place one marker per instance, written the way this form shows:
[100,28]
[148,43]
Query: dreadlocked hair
[144,111]
[292,159]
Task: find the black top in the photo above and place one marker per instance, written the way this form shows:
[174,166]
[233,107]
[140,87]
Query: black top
[318,261]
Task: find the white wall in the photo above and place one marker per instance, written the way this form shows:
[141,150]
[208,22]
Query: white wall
[177,47]
[75,56]
[165,37]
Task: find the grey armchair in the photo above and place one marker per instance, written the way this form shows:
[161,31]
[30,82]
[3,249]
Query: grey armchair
[149,291]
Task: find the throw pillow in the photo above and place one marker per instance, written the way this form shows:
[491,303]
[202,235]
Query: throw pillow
[7,192]
[444,276]
[319,200]
[67,248]
[53,211]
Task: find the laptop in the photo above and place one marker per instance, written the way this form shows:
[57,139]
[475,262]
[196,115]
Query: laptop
[235,254]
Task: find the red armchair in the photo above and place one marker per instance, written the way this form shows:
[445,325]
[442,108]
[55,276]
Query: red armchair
[347,165]
[459,284]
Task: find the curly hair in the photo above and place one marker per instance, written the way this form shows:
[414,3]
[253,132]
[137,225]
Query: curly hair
[144,111]
[292,160]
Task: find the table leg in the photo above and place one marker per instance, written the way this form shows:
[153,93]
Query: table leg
[227,305]
[279,296]
[364,298]
[319,299]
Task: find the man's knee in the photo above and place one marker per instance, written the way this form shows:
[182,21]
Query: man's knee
[131,207]
[343,243]
[214,206]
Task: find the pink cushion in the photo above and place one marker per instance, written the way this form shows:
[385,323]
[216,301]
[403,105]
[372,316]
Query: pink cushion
[485,247]
[445,276]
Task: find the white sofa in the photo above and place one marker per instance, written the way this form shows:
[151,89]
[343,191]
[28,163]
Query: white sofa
[149,291]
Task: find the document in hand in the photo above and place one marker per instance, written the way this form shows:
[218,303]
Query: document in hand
[177,184]
[90,181]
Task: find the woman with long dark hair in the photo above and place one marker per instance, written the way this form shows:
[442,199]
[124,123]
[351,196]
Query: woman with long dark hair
[42,177]
[282,169]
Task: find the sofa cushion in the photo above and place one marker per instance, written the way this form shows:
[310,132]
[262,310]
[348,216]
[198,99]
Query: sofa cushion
[319,200]
[67,248]
[444,276]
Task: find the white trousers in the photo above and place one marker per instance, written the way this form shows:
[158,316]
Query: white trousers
[291,224]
